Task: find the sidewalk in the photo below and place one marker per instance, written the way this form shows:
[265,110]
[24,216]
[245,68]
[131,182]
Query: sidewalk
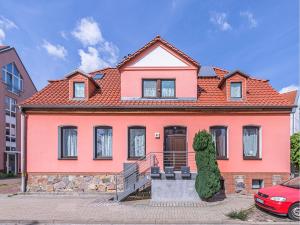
[98,209]
[10,185]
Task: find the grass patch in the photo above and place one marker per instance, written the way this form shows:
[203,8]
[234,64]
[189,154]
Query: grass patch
[6,175]
[238,214]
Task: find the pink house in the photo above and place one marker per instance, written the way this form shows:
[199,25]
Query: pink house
[15,87]
[80,130]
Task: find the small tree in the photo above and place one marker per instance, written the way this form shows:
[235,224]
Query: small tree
[208,177]
[295,149]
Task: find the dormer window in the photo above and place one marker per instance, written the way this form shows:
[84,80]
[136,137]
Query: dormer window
[79,90]
[158,88]
[236,90]
[150,89]
[168,88]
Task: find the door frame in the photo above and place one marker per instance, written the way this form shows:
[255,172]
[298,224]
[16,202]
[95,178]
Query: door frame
[7,162]
[165,139]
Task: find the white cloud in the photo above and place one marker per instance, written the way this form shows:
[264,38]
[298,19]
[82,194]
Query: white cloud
[88,32]
[250,17]
[220,20]
[289,88]
[110,52]
[64,35]
[91,60]
[2,35]
[57,51]
[5,24]
[100,52]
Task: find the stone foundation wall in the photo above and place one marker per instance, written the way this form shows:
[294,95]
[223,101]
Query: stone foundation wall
[242,182]
[71,183]
[234,182]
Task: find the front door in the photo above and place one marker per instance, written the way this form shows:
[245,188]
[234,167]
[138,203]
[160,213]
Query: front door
[175,151]
[11,163]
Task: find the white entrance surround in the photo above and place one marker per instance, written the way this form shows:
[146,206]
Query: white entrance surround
[11,162]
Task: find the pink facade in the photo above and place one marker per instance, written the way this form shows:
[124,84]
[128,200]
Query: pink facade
[9,55]
[43,140]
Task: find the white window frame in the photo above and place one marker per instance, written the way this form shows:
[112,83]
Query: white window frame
[16,77]
[11,121]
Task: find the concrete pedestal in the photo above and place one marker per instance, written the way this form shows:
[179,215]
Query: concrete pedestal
[174,191]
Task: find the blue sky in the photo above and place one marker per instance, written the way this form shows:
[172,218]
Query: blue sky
[55,37]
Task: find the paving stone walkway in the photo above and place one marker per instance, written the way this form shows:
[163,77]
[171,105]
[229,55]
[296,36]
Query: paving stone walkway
[98,209]
[10,185]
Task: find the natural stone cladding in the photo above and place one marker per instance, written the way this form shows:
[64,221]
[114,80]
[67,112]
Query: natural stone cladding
[241,182]
[72,183]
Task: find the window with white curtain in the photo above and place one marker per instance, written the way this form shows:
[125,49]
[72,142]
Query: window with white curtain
[219,135]
[251,142]
[79,89]
[168,88]
[150,88]
[158,88]
[136,142]
[236,90]
[103,142]
[68,142]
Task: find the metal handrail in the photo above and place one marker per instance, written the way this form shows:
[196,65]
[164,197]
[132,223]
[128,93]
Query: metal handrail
[140,169]
[128,178]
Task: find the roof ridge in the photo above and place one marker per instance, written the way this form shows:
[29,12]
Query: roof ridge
[149,44]
[100,70]
[219,68]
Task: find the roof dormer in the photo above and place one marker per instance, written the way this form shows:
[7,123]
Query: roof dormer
[81,85]
[234,86]
[158,71]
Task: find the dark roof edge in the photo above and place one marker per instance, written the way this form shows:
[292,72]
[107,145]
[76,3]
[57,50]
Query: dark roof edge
[54,107]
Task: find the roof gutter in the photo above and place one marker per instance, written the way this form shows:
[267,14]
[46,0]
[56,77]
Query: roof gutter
[90,107]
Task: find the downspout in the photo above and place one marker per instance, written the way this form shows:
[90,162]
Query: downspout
[23,151]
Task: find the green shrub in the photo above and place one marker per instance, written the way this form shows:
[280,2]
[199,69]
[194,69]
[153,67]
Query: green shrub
[6,175]
[240,214]
[295,149]
[208,178]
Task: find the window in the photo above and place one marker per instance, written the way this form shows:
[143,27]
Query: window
[219,135]
[236,90]
[168,88]
[12,78]
[10,123]
[103,142]
[68,142]
[257,183]
[251,142]
[79,89]
[158,88]
[149,88]
[136,142]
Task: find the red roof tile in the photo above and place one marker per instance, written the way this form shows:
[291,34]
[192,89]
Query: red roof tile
[290,96]
[259,94]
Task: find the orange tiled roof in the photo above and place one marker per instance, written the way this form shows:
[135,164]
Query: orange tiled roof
[259,94]
[290,96]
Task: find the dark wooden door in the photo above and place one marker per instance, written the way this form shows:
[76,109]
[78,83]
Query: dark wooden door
[175,151]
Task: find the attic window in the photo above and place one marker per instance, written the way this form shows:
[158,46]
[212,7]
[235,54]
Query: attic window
[98,76]
[236,90]
[79,90]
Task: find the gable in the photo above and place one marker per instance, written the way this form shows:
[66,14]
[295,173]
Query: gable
[159,57]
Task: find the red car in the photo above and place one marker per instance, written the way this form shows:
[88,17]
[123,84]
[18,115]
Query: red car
[283,199]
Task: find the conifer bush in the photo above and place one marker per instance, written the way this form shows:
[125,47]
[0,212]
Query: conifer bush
[208,178]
